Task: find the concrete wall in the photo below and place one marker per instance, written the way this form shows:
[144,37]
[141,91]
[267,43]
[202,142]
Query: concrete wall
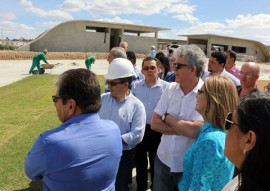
[72,36]
[140,44]
[251,47]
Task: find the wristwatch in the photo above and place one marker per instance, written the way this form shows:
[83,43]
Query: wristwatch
[164,117]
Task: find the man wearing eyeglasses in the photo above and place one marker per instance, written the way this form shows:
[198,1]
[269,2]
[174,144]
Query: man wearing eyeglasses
[148,91]
[216,66]
[127,111]
[83,153]
[176,118]
[249,74]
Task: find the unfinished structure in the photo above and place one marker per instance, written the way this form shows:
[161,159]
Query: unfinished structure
[247,50]
[94,36]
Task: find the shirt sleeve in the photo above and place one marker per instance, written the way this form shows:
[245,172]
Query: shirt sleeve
[136,134]
[44,59]
[162,104]
[35,161]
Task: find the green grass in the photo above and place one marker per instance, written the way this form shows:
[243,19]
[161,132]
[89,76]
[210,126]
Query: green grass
[26,110]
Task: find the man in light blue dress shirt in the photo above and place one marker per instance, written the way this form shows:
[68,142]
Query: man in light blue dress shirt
[148,91]
[83,153]
[127,111]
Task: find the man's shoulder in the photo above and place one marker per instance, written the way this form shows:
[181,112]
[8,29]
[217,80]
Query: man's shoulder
[232,77]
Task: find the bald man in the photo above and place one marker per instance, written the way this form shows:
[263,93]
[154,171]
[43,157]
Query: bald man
[249,75]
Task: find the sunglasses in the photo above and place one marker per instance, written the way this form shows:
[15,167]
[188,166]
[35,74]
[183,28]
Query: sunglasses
[111,83]
[179,65]
[200,91]
[229,122]
[248,74]
[146,68]
[55,98]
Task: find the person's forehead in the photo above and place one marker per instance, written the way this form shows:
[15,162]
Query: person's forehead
[213,59]
[247,68]
[150,62]
[181,59]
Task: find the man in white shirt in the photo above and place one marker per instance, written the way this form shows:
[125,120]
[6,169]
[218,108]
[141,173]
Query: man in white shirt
[176,118]
[216,66]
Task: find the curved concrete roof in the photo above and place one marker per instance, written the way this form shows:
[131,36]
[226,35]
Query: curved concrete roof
[59,36]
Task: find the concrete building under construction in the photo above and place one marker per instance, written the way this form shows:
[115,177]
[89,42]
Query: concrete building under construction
[95,36]
[247,50]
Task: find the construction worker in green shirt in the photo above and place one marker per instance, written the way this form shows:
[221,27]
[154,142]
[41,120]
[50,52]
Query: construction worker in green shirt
[36,60]
[89,61]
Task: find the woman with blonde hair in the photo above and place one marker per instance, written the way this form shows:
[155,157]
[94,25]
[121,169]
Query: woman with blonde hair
[205,165]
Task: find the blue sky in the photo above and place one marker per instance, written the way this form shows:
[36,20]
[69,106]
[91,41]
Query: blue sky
[247,19]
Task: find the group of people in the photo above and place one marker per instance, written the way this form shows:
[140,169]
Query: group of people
[195,131]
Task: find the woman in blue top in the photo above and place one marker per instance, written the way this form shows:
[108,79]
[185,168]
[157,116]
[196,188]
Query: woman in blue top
[205,165]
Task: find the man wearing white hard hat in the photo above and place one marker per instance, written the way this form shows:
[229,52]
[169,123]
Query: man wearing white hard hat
[127,111]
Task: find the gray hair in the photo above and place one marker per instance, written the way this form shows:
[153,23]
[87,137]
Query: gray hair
[194,57]
[118,52]
[123,44]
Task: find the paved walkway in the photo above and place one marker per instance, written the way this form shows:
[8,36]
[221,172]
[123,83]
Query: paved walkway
[14,70]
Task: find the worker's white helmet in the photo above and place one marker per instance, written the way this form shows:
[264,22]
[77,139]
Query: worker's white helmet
[120,68]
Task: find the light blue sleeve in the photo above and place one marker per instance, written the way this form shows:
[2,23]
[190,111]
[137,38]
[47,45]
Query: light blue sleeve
[35,161]
[136,133]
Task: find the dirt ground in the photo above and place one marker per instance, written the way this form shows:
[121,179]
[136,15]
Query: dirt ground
[28,55]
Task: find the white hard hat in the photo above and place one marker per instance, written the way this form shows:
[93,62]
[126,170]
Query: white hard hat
[120,68]
[153,47]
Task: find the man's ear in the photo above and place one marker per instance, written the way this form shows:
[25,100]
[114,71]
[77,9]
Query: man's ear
[71,105]
[194,69]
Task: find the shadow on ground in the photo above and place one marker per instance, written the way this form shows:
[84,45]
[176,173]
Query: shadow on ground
[33,186]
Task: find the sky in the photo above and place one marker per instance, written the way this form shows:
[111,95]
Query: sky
[246,19]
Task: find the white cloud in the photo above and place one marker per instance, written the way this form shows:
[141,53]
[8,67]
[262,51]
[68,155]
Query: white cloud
[259,21]
[118,20]
[187,17]
[73,5]
[182,9]
[49,24]
[7,16]
[26,3]
[57,14]
[205,28]
[110,7]
[10,29]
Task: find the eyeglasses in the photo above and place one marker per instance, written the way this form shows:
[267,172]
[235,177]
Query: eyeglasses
[229,122]
[146,68]
[248,74]
[266,88]
[179,65]
[200,91]
[55,98]
[111,83]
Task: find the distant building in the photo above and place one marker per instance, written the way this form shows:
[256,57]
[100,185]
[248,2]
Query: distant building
[247,50]
[95,36]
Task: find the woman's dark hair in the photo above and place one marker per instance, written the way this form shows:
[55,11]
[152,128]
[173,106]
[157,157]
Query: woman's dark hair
[254,115]
[164,61]
[82,86]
